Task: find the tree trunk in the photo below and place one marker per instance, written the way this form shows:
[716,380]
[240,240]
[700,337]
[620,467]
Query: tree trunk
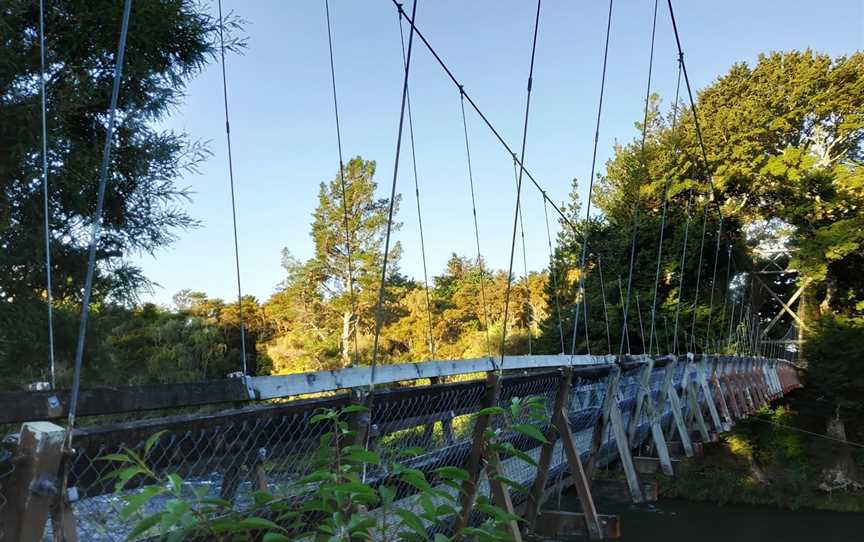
[841,476]
[346,338]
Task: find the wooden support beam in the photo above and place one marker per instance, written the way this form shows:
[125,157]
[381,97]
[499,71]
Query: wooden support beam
[468,493]
[677,413]
[558,523]
[535,497]
[610,398]
[624,455]
[33,487]
[701,372]
[580,480]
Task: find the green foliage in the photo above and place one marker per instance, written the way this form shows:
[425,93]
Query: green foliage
[337,503]
[170,42]
[835,363]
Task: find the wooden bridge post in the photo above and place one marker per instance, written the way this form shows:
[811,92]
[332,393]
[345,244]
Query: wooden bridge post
[33,487]
[468,493]
[675,406]
[601,427]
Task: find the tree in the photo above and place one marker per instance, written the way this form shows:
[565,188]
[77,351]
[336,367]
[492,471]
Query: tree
[334,294]
[170,41]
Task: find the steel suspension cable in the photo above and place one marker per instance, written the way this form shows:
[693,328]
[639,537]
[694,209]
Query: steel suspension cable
[96,228]
[476,226]
[417,196]
[231,184]
[683,268]
[379,317]
[645,168]
[516,213]
[480,113]
[580,294]
[553,273]
[45,206]
[344,190]
[662,221]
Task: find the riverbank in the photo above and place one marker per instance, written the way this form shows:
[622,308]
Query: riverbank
[769,460]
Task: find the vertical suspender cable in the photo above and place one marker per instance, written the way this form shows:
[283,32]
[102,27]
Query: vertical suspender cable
[516,213]
[713,283]
[645,167]
[605,308]
[45,206]
[554,275]
[476,226]
[96,228]
[231,183]
[417,195]
[722,324]
[379,317]
[344,190]
[625,334]
[698,278]
[662,222]
[580,299]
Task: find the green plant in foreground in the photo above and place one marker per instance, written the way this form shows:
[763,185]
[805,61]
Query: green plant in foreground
[350,495]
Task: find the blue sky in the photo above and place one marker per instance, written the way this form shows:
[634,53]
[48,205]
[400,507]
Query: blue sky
[283,127]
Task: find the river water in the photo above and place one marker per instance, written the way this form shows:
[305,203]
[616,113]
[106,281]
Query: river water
[680,521]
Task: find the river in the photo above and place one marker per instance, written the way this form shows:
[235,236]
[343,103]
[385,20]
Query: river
[680,521]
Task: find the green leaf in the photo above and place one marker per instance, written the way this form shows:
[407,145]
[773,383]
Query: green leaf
[361,455]
[441,538]
[452,473]
[151,441]
[124,475]
[354,408]
[412,521]
[530,431]
[254,523]
[138,500]
[144,525]
[275,537]
[387,495]
[122,458]
[491,411]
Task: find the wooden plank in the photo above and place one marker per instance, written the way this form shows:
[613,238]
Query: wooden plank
[558,523]
[33,486]
[20,406]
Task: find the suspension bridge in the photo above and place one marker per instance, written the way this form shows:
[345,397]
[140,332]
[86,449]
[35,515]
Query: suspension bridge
[636,410]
